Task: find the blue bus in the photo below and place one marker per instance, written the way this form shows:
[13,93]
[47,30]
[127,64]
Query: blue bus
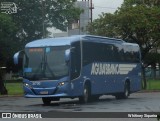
[80,66]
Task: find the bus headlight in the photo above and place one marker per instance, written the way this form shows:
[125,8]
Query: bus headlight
[62,83]
[27,85]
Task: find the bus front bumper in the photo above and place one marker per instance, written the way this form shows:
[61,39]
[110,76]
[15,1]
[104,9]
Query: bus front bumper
[40,96]
[61,91]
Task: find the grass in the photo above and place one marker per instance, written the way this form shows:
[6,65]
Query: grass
[153,84]
[16,87]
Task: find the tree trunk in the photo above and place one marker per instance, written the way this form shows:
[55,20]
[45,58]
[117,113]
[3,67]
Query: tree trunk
[144,81]
[153,69]
[3,90]
[158,70]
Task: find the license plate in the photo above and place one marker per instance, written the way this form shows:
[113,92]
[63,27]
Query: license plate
[44,92]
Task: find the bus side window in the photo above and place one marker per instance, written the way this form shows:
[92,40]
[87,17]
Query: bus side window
[75,60]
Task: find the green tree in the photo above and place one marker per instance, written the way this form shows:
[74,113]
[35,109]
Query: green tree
[103,26]
[7,42]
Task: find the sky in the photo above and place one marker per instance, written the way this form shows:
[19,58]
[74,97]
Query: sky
[106,6]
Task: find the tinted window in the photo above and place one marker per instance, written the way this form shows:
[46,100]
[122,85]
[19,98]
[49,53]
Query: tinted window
[102,52]
[98,52]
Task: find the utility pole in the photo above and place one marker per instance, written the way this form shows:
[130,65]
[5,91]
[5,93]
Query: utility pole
[91,9]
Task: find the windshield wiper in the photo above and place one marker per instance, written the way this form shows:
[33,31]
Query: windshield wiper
[49,68]
[36,74]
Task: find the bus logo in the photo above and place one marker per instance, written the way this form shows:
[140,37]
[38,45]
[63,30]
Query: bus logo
[108,69]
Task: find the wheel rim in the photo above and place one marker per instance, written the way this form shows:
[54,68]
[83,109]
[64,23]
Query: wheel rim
[126,91]
[86,94]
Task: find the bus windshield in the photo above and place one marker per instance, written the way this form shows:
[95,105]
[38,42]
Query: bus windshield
[45,63]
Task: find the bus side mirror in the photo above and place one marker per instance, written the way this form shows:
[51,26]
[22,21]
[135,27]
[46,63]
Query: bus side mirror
[18,60]
[15,58]
[18,57]
[67,55]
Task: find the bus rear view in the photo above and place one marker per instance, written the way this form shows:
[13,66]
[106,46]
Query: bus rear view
[78,66]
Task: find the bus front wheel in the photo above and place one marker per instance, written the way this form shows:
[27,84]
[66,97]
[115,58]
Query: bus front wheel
[86,95]
[46,101]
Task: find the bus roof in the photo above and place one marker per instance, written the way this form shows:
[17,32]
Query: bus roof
[61,41]
[52,42]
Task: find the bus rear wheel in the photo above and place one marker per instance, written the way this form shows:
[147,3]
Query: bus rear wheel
[126,92]
[86,95]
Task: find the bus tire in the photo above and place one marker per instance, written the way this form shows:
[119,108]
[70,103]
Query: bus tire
[126,92]
[86,95]
[46,101]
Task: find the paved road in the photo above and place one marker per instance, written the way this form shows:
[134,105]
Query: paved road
[137,102]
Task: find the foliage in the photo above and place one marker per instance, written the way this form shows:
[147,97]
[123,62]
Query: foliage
[152,58]
[103,26]
[7,42]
